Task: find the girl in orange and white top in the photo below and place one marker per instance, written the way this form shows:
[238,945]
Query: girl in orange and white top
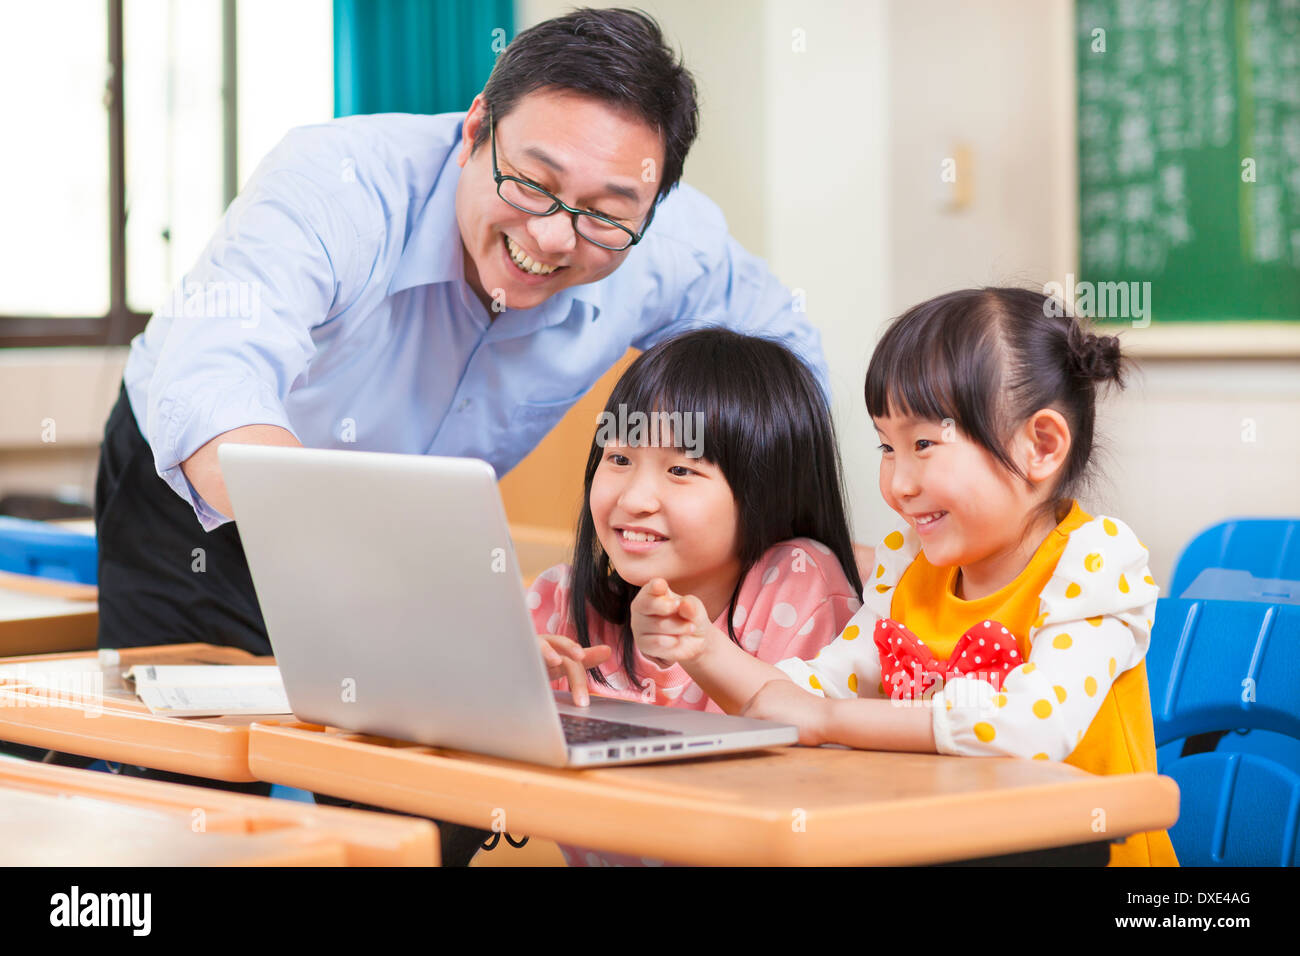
[999,618]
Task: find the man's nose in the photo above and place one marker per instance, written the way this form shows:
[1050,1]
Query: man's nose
[554,233]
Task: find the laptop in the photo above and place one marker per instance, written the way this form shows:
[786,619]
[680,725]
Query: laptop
[394,605]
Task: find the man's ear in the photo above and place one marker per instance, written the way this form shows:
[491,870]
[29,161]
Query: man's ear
[474,120]
[1048,440]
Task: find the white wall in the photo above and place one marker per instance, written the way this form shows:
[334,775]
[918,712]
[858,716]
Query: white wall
[879,94]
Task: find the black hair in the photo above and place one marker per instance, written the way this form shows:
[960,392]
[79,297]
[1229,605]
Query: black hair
[990,358]
[767,428]
[616,56]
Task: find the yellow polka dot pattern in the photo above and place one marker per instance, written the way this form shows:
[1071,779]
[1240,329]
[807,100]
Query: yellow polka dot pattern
[1073,590]
[1062,642]
[814,682]
[1092,562]
[851,632]
[853,683]
[984,732]
[1090,686]
[894,540]
[1060,694]
[1042,709]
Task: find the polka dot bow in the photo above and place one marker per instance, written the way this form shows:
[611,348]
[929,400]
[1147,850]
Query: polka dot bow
[910,670]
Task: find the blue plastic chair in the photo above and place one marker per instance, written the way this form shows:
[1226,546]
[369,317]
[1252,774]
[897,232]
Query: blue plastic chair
[47,551]
[1266,547]
[1218,666]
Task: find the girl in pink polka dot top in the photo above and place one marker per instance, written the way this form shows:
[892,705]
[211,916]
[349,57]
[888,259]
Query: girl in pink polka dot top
[730,508]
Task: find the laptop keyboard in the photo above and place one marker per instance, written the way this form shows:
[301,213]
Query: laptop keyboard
[590,730]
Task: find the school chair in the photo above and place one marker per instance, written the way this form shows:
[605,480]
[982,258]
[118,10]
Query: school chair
[1266,548]
[47,551]
[1216,667]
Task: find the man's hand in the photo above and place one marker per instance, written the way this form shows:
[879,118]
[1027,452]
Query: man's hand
[567,658]
[785,703]
[669,628]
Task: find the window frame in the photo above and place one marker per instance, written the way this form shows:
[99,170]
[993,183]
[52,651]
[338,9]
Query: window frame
[121,323]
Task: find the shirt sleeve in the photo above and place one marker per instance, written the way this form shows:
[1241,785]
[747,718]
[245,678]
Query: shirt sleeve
[726,285]
[287,257]
[1094,623]
[850,665]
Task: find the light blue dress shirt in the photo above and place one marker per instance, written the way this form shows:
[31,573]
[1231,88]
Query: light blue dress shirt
[331,302]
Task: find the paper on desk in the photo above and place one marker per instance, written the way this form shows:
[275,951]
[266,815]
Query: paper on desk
[214,690]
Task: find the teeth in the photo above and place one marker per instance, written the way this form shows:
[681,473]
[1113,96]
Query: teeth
[526,262]
[638,536]
[933,516]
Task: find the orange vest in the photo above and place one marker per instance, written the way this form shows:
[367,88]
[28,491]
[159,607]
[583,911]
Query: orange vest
[1120,738]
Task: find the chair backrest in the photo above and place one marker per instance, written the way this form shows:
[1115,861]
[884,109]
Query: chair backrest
[1229,665]
[1223,665]
[1266,547]
[1236,809]
[47,551]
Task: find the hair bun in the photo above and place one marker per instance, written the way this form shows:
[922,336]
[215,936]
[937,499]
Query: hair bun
[1095,357]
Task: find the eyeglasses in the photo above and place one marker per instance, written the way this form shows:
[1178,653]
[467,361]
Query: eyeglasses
[531,198]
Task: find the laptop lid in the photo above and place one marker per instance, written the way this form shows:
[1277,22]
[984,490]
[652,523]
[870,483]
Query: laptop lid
[344,548]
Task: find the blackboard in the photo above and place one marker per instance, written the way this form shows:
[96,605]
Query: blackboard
[1189,154]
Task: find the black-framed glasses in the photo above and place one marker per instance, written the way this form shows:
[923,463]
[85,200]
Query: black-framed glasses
[531,198]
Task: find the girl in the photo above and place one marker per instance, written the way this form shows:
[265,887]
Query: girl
[714,476]
[999,617]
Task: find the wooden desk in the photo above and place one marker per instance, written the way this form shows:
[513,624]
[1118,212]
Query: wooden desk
[40,616]
[66,817]
[117,726]
[784,806]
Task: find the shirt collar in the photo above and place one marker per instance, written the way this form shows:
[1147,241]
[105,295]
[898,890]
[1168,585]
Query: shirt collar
[433,251]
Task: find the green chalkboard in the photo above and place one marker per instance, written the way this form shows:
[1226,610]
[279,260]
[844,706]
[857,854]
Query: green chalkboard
[1189,154]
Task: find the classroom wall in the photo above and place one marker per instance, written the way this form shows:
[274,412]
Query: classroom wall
[878,92]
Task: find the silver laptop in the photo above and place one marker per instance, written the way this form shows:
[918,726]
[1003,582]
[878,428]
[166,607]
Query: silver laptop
[394,605]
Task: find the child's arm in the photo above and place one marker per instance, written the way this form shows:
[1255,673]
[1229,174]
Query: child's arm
[861,723]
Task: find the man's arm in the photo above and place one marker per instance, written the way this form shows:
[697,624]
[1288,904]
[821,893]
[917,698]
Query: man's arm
[204,471]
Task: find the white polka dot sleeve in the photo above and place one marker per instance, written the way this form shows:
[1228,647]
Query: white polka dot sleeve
[1094,623]
[849,666]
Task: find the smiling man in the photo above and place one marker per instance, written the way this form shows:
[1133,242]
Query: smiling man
[443,285]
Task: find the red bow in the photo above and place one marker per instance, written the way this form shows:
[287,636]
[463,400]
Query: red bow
[909,670]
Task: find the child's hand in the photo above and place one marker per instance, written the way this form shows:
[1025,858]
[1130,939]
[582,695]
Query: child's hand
[567,658]
[786,703]
[669,628]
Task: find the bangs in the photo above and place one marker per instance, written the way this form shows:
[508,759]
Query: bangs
[940,360]
[676,394]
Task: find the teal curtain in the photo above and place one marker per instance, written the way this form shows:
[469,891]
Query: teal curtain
[415,56]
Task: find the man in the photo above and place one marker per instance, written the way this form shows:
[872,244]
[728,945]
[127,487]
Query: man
[444,285]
